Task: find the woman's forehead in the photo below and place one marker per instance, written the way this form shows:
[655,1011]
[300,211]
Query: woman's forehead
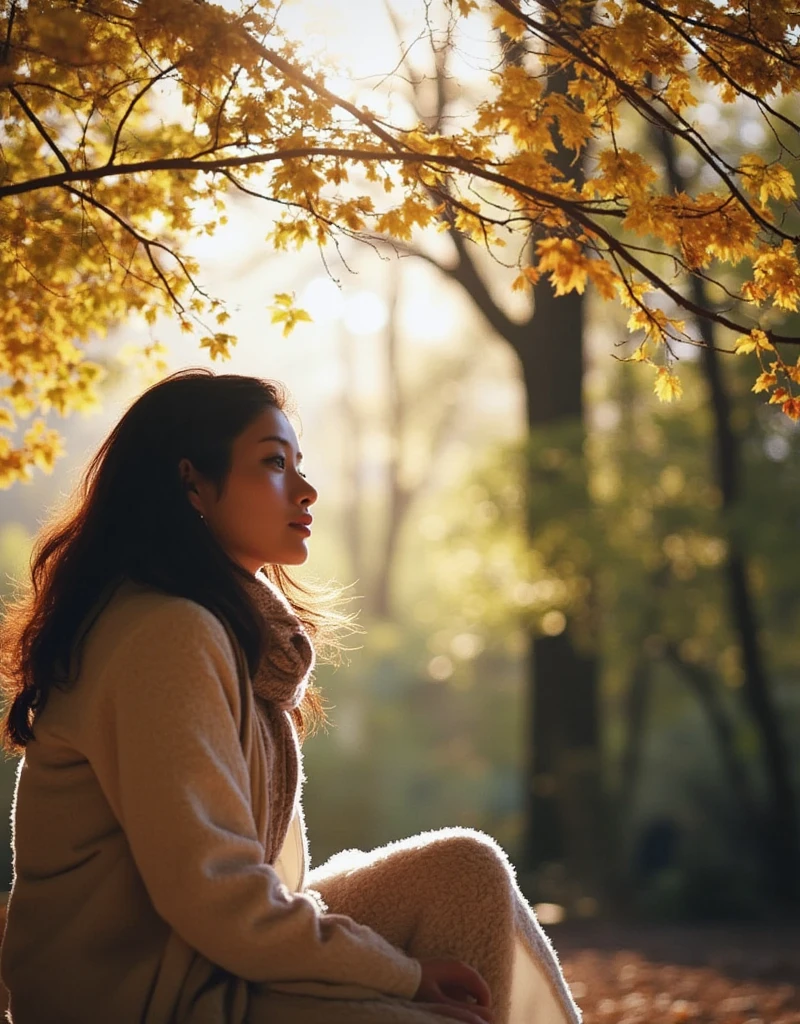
[271,424]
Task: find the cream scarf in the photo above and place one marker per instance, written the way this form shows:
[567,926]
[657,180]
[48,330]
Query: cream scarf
[279,684]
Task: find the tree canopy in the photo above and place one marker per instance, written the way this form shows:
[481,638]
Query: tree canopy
[125,124]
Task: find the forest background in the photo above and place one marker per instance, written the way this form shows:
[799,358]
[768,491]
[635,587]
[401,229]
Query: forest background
[574,578]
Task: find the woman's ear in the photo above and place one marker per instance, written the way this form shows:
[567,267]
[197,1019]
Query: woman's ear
[188,476]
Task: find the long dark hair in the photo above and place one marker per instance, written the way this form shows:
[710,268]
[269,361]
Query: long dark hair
[130,518]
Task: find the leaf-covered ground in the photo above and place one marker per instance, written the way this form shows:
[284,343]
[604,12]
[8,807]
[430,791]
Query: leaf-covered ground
[683,976]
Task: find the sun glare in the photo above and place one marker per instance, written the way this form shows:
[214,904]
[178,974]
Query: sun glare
[360,47]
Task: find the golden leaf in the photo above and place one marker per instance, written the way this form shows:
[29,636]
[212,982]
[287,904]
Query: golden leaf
[285,312]
[764,382]
[755,341]
[218,344]
[639,355]
[767,181]
[667,386]
[791,407]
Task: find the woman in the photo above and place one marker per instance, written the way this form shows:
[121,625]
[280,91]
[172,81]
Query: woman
[158,680]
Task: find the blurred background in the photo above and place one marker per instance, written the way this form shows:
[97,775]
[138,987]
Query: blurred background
[412,420]
[581,614]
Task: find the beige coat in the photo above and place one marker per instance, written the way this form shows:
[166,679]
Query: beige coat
[139,820]
[141,895]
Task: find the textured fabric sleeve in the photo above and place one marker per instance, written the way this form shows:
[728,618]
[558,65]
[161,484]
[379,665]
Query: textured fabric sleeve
[168,757]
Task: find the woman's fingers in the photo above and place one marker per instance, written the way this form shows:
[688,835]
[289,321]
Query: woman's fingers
[468,982]
[448,980]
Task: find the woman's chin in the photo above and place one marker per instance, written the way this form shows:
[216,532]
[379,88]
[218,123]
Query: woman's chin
[297,557]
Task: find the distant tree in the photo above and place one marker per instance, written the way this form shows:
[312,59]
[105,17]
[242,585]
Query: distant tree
[433,398]
[124,123]
[564,803]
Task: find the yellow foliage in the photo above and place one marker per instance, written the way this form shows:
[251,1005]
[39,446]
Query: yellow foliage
[640,355]
[509,24]
[767,181]
[791,407]
[793,372]
[285,312]
[127,122]
[567,265]
[755,341]
[218,344]
[604,277]
[622,173]
[765,382]
[528,277]
[655,323]
[776,274]
[574,125]
[667,386]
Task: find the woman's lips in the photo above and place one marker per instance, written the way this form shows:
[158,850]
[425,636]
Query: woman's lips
[302,529]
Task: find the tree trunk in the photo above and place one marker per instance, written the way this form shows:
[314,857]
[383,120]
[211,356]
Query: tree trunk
[782,817]
[564,825]
[783,827]
[563,814]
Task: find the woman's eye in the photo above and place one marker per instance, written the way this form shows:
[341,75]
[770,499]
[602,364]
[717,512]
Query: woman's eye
[281,459]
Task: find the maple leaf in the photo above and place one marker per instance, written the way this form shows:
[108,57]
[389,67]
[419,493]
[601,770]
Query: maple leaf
[509,24]
[567,265]
[776,272]
[755,341]
[765,382]
[667,386]
[767,180]
[791,407]
[605,279]
[285,312]
[218,344]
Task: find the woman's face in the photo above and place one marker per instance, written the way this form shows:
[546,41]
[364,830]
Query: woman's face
[264,494]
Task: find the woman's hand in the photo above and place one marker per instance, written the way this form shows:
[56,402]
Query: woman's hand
[454,990]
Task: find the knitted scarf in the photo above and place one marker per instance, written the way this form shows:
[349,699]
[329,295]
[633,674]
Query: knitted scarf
[279,683]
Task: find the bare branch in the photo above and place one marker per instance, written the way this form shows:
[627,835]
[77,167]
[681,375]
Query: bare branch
[40,128]
[148,244]
[142,92]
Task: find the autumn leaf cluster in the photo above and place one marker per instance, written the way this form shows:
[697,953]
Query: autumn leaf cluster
[125,124]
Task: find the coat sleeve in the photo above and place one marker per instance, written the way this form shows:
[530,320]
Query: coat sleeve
[168,757]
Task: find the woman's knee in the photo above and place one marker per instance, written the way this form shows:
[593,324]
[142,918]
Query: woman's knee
[466,855]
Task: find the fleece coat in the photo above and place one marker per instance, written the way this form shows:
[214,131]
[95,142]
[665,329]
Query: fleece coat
[142,892]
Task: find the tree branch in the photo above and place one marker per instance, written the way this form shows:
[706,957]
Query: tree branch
[572,210]
[466,273]
[148,244]
[40,128]
[694,45]
[581,54]
[145,89]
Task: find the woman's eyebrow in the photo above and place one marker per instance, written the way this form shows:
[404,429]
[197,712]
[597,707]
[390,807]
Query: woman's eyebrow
[280,440]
